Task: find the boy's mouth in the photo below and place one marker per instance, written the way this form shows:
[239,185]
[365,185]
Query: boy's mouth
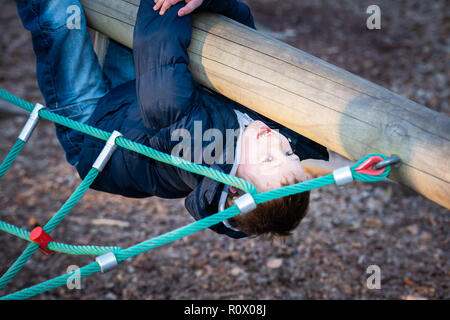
[262,131]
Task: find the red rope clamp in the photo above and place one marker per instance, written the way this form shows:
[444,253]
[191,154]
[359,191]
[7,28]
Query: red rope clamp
[39,236]
[366,166]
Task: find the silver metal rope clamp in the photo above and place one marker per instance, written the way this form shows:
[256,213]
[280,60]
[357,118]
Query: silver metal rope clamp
[31,123]
[107,261]
[107,151]
[343,176]
[245,203]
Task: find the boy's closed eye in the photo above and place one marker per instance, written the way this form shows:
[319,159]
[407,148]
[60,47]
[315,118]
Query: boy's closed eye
[164,5]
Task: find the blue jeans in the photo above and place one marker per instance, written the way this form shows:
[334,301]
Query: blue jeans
[68,72]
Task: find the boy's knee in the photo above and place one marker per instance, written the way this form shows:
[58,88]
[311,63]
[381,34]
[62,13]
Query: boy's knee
[55,15]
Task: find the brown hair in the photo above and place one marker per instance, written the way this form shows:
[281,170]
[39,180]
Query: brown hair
[277,217]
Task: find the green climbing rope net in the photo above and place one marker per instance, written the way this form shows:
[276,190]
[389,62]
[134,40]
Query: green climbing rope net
[124,254]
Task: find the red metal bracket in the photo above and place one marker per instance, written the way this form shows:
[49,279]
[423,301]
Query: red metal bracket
[39,236]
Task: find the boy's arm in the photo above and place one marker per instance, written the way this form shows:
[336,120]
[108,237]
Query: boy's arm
[232,9]
[164,85]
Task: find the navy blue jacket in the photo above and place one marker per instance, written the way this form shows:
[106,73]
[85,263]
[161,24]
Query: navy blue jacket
[164,97]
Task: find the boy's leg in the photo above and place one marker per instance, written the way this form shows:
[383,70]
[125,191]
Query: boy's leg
[118,67]
[68,72]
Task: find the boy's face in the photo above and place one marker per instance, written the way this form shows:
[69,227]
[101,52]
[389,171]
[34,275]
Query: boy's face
[267,159]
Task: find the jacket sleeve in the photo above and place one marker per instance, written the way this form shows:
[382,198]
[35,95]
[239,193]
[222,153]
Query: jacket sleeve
[232,9]
[164,85]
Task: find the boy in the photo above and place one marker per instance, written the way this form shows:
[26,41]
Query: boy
[147,94]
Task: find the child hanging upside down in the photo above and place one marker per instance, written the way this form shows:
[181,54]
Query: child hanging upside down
[149,95]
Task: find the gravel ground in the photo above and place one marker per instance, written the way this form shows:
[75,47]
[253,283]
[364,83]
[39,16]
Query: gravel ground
[346,230]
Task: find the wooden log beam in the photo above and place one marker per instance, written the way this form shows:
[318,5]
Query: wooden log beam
[101,43]
[338,109]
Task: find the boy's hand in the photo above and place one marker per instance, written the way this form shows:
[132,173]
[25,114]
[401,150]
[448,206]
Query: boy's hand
[190,6]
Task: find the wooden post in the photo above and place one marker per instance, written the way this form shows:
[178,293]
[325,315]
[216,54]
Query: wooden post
[100,47]
[338,109]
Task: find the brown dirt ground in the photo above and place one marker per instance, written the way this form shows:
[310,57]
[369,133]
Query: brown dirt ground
[346,230]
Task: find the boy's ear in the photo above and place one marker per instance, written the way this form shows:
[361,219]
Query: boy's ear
[232,189]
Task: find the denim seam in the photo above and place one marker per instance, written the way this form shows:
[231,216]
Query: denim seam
[49,67]
[33,7]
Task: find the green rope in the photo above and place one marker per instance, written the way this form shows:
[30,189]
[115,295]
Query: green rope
[73,199]
[16,231]
[52,284]
[186,230]
[51,224]
[123,254]
[11,156]
[134,146]
[18,264]
[58,246]
[186,165]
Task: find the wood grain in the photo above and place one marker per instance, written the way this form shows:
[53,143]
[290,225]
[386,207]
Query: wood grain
[336,108]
